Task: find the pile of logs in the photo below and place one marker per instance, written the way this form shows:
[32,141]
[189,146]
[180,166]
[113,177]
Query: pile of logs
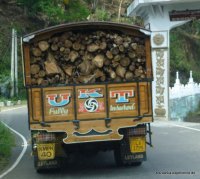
[87,57]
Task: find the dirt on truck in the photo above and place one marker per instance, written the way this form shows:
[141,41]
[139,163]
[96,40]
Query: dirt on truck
[89,90]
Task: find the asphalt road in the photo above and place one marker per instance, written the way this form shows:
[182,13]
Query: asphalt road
[176,154]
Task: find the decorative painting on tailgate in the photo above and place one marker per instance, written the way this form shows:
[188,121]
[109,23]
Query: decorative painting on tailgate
[91,102]
[123,100]
[59,103]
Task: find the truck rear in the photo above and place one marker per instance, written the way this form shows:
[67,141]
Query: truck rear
[89,90]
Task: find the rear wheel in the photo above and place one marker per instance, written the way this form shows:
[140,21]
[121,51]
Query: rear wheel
[36,165]
[44,165]
[123,155]
[120,156]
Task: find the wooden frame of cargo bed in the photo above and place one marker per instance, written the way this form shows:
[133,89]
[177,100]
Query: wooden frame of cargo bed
[101,129]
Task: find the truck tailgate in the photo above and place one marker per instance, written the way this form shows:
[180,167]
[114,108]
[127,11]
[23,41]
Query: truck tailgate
[90,102]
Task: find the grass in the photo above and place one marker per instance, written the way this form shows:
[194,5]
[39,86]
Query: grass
[7,141]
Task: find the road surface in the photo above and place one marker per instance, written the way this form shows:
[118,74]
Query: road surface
[176,154]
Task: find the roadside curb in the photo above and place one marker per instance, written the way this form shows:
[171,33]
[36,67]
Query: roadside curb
[11,108]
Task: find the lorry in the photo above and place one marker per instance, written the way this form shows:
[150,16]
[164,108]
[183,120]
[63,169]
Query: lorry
[89,90]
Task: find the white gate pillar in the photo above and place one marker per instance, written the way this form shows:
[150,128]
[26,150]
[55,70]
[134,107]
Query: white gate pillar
[156,15]
[160,60]
[158,18]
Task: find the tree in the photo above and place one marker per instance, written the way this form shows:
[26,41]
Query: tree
[119,10]
[93,4]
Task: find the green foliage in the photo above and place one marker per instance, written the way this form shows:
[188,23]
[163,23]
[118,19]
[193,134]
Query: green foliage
[129,20]
[51,10]
[193,116]
[184,52]
[184,40]
[5,57]
[56,11]
[4,76]
[21,91]
[76,11]
[101,14]
[177,58]
[6,141]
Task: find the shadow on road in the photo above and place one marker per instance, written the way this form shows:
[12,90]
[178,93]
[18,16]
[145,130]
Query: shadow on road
[80,165]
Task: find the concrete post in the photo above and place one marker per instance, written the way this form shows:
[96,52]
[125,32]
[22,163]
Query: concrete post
[160,58]
[16,65]
[12,73]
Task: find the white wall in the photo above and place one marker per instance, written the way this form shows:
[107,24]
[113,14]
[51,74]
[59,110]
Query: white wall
[183,98]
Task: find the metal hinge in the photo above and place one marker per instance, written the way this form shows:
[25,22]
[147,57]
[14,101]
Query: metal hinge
[44,124]
[107,122]
[77,124]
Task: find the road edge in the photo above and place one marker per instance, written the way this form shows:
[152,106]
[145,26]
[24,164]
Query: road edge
[185,127]
[10,109]
[25,145]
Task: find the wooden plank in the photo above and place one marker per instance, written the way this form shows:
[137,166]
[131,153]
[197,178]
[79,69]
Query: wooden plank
[50,31]
[87,126]
[35,110]
[59,102]
[27,64]
[145,98]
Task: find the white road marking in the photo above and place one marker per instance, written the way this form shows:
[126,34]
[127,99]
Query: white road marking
[190,128]
[12,109]
[21,154]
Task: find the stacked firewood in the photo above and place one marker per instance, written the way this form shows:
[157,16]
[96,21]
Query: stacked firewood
[87,57]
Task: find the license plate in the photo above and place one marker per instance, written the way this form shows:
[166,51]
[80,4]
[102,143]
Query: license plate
[137,144]
[46,151]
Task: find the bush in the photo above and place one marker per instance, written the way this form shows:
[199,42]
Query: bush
[102,15]
[193,116]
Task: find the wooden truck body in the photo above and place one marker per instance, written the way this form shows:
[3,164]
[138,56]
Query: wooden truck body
[75,115]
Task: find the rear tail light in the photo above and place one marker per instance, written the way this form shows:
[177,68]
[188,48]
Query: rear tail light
[45,137]
[137,131]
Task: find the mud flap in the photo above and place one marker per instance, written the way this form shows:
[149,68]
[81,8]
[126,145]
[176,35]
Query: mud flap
[42,165]
[124,156]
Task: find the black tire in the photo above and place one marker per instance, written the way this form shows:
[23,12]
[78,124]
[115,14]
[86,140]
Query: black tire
[121,162]
[43,169]
[38,169]
[117,156]
[122,153]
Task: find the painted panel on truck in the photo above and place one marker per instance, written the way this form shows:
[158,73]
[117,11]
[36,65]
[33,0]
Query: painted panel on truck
[59,103]
[123,100]
[51,104]
[91,102]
